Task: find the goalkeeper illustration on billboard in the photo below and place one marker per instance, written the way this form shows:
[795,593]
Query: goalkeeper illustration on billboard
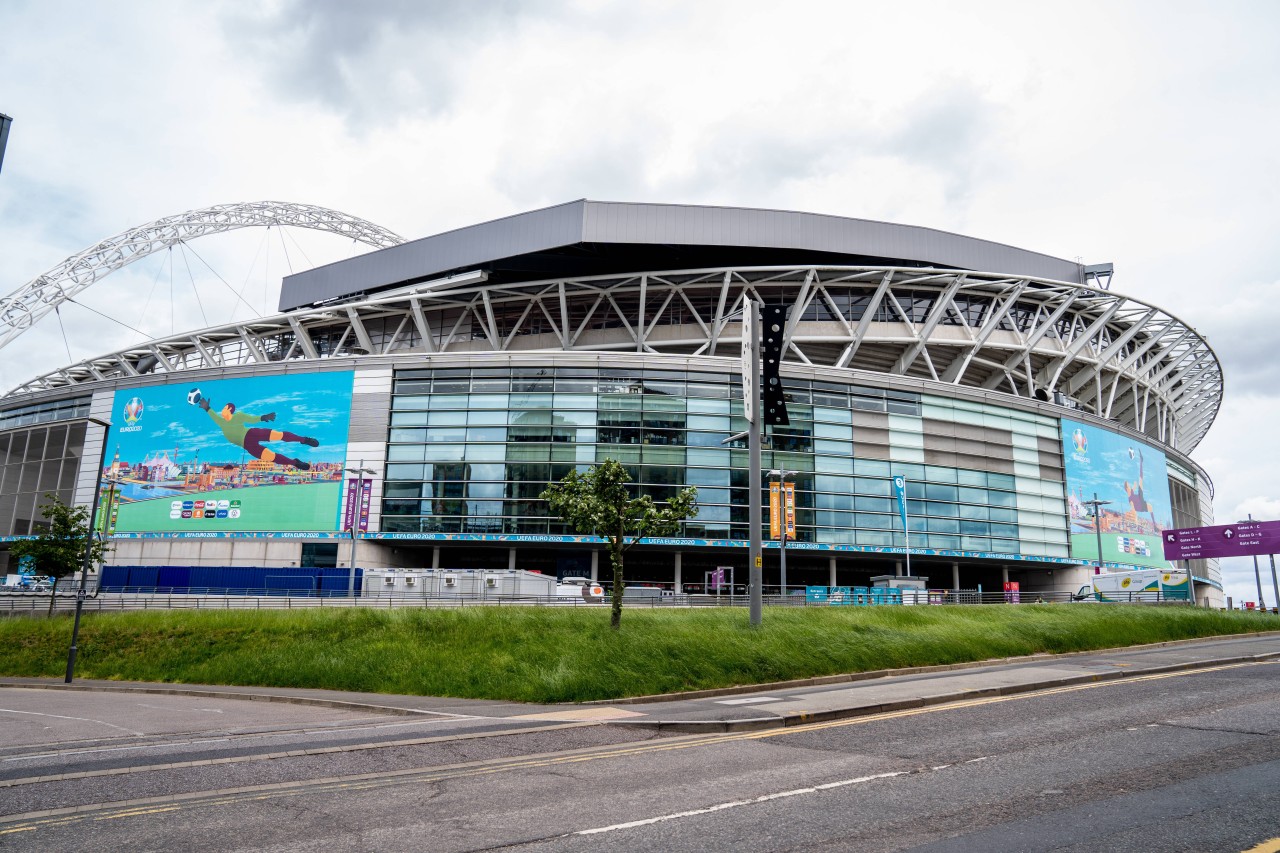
[259,454]
[234,426]
[1133,477]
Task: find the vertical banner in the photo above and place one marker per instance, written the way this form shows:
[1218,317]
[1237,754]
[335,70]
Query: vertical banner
[900,491]
[1012,592]
[789,509]
[353,516]
[775,510]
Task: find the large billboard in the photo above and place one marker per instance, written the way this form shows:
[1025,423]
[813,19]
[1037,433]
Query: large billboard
[1134,477]
[228,455]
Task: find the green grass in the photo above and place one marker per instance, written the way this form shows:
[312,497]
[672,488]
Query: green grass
[565,655]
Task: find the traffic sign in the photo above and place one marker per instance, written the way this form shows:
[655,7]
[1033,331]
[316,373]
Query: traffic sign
[1224,540]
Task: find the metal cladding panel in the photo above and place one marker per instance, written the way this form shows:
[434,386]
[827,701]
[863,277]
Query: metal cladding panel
[661,224]
[613,222]
[174,576]
[535,231]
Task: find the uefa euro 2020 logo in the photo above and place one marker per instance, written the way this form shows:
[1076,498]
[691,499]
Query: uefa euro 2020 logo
[132,414]
[1081,443]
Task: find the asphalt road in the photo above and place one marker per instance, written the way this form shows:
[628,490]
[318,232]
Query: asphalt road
[1176,761]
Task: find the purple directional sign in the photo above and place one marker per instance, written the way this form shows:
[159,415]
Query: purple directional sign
[1224,540]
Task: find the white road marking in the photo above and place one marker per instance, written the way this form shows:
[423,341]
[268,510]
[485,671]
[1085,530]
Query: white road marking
[749,700]
[78,719]
[736,803]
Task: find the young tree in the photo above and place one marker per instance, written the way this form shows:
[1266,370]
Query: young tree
[599,502]
[58,550]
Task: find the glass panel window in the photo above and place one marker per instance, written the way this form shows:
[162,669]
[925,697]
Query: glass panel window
[486,417]
[835,431]
[831,483]
[699,456]
[826,500]
[443,452]
[486,433]
[833,464]
[405,453]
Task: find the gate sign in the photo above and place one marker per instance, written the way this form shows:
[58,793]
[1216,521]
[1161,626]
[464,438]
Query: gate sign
[1225,540]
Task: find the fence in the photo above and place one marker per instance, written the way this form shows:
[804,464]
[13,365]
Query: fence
[150,598]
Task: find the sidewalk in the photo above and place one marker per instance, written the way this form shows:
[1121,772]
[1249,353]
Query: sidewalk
[770,705]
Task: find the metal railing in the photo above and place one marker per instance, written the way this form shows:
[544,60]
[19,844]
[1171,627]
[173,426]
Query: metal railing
[150,598]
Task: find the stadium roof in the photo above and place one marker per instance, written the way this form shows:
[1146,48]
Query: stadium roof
[589,238]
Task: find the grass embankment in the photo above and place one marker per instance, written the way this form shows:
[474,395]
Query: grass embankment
[562,655]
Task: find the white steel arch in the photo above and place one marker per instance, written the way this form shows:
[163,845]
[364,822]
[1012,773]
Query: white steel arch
[21,309]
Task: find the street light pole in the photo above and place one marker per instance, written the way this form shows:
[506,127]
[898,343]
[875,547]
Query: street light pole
[1257,576]
[1097,523]
[354,527]
[751,388]
[1275,585]
[88,550]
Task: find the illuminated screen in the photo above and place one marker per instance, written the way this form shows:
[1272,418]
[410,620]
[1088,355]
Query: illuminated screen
[255,454]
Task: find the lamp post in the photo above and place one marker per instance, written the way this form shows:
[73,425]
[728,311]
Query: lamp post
[781,475]
[1257,575]
[1097,523]
[356,509]
[88,550]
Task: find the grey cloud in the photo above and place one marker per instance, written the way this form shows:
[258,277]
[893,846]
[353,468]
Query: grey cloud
[374,61]
[1241,328]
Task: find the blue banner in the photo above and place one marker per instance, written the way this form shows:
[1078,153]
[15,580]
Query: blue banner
[900,490]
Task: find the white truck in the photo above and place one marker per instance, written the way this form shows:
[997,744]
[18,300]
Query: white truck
[1138,585]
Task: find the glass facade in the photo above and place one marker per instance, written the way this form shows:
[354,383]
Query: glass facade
[34,461]
[471,450]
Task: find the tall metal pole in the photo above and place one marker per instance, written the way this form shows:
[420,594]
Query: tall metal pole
[1274,584]
[1257,576]
[782,558]
[1097,525]
[355,526]
[88,551]
[751,326]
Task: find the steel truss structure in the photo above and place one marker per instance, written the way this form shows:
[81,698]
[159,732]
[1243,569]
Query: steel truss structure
[1099,351]
[26,305]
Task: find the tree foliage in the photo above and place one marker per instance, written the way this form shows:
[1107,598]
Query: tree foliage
[58,549]
[601,501]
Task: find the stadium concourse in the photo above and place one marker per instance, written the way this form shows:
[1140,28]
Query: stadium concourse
[425,393]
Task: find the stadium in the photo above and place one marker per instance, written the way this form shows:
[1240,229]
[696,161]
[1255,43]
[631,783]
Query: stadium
[421,396]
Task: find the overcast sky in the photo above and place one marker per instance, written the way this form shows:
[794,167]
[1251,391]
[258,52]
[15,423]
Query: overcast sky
[1138,133]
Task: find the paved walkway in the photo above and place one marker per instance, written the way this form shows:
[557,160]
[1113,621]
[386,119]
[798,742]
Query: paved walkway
[770,705]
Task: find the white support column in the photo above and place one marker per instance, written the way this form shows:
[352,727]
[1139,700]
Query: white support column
[679,587]
[595,567]
[897,568]
[1004,574]
[511,558]
[435,557]
[955,576]
[831,571]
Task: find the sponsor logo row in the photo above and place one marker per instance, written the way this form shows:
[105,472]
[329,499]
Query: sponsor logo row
[204,509]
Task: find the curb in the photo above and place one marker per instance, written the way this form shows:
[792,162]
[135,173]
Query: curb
[849,677]
[339,704]
[798,719]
